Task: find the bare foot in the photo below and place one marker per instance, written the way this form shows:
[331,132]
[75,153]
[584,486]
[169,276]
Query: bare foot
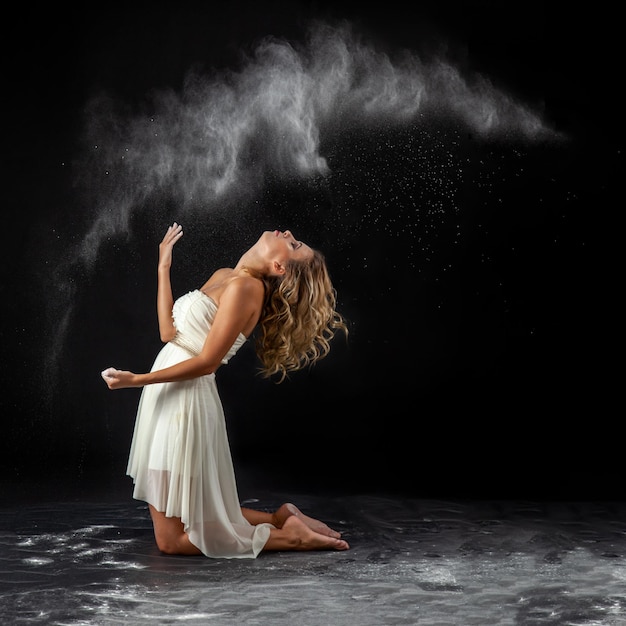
[288,510]
[296,535]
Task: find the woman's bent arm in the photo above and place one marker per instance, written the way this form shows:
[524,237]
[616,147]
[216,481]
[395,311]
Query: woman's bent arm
[190,368]
[240,302]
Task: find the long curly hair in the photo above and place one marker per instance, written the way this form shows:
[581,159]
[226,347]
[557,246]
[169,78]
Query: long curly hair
[299,318]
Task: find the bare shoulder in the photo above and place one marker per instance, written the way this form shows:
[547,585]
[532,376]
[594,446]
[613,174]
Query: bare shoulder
[238,290]
[242,300]
[244,287]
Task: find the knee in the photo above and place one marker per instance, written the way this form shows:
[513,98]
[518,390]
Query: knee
[166,544]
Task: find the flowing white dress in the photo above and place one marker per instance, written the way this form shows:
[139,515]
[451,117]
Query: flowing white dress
[180,458]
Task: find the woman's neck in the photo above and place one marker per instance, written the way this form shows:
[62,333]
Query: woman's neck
[251,264]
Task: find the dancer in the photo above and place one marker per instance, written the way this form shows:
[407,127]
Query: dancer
[180,460]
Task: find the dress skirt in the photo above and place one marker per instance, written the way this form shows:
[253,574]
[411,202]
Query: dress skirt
[180,462]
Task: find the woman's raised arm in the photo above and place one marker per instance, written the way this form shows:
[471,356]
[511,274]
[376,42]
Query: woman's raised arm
[165,299]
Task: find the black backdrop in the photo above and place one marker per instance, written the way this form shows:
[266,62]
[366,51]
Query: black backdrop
[479,362]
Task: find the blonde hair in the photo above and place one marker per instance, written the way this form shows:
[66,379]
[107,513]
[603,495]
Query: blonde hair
[299,318]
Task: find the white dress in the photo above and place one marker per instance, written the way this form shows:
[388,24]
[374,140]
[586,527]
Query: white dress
[180,458]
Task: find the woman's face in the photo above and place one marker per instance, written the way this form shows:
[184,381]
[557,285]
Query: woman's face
[282,247]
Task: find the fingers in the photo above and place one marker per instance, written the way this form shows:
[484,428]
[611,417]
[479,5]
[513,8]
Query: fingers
[175,229]
[173,233]
[109,376]
[108,373]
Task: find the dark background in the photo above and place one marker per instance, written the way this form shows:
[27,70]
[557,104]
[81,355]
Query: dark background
[481,357]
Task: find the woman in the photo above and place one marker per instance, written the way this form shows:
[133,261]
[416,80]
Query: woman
[179,459]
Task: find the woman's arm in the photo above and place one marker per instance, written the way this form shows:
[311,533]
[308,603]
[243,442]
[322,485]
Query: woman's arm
[165,299]
[240,302]
[122,379]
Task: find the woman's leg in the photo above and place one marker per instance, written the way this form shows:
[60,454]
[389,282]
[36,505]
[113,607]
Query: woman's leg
[170,534]
[280,516]
[296,535]
[292,532]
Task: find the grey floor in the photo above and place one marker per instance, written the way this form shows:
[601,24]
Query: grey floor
[411,561]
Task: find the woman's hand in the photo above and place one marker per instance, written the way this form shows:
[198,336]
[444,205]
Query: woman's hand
[173,234]
[118,379]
